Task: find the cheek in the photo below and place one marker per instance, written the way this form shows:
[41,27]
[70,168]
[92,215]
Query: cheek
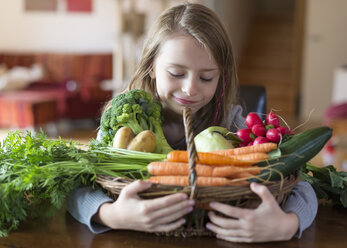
[210,91]
[165,85]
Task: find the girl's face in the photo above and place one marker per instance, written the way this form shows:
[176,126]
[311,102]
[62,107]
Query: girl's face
[186,76]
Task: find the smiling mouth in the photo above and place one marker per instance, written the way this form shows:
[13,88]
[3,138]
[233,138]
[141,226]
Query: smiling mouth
[184,101]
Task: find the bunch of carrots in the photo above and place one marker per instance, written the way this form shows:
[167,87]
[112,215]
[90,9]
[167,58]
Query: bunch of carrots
[215,168]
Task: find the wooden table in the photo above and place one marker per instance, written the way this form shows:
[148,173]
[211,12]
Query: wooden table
[328,230]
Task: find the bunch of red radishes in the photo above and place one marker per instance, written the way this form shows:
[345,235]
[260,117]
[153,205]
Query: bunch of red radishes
[259,132]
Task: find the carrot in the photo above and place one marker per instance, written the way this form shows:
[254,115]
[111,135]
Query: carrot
[254,157]
[184,181]
[265,147]
[242,174]
[207,158]
[177,169]
[239,183]
[230,171]
[182,169]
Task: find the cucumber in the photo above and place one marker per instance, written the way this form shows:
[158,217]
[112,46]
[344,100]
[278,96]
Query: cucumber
[295,153]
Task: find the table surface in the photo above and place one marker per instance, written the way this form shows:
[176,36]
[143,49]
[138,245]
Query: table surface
[328,230]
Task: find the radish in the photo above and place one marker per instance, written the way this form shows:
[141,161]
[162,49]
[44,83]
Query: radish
[272,119]
[243,144]
[252,119]
[284,130]
[273,135]
[260,140]
[259,130]
[244,134]
[250,143]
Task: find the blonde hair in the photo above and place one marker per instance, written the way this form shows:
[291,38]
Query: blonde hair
[202,24]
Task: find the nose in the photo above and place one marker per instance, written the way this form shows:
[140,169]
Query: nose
[189,86]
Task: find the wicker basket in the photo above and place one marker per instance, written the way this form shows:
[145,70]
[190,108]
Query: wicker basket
[240,196]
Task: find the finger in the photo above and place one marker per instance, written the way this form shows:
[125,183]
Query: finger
[263,192]
[166,201]
[224,222]
[178,208]
[234,239]
[225,232]
[169,227]
[228,210]
[167,218]
[135,187]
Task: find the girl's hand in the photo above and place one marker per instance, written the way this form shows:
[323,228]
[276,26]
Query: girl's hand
[155,215]
[267,222]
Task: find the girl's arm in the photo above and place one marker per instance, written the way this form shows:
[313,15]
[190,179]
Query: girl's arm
[268,222]
[100,213]
[84,203]
[129,212]
[303,202]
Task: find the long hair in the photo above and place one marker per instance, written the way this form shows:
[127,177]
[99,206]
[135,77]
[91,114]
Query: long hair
[203,25]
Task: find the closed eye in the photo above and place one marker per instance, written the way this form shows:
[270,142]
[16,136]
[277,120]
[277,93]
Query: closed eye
[176,75]
[206,79]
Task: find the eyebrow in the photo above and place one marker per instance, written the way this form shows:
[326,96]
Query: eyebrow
[182,66]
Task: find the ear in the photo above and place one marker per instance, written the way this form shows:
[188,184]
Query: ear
[152,73]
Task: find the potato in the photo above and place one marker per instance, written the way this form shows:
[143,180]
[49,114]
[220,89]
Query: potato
[123,137]
[143,142]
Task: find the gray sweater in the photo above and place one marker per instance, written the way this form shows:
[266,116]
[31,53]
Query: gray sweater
[83,203]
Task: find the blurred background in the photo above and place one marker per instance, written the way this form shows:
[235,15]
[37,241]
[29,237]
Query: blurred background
[61,60]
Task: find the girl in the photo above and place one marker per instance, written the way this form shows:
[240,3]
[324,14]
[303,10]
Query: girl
[188,61]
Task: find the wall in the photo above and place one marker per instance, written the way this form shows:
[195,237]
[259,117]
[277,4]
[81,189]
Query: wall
[325,49]
[236,16]
[57,31]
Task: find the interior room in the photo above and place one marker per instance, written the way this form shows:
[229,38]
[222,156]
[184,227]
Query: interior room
[80,158]
[60,62]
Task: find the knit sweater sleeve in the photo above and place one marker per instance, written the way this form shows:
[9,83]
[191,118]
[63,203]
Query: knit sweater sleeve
[302,200]
[83,203]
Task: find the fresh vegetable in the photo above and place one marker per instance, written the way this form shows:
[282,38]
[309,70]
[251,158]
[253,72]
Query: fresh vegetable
[265,147]
[123,137]
[208,158]
[143,142]
[273,135]
[234,171]
[253,119]
[37,174]
[284,130]
[259,132]
[260,140]
[164,168]
[254,157]
[272,119]
[243,174]
[244,134]
[135,109]
[184,180]
[328,183]
[294,153]
[215,138]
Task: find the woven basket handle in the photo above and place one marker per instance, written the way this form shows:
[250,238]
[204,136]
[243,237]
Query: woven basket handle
[189,133]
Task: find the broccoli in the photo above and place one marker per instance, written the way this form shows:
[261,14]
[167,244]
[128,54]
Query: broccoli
[137,110]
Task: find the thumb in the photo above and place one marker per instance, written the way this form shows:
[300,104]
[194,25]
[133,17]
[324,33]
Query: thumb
[135,187]
[263,192]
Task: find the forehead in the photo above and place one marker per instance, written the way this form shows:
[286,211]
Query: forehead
[182,48]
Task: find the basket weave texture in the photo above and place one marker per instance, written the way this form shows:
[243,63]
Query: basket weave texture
[240,196]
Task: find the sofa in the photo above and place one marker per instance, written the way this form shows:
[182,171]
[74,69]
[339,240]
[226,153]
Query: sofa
[71,88]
